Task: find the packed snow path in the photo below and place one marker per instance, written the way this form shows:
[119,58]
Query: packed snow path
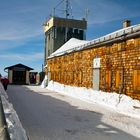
[47,115]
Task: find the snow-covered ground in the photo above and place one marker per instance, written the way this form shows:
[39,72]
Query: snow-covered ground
[120,103]
[44,82]
[63,117]
[49,115]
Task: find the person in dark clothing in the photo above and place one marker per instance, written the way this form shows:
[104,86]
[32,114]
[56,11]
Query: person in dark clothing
[5,82]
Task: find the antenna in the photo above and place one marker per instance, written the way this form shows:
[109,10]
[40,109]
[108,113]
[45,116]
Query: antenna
[86,14]
[54,9]
[67,10]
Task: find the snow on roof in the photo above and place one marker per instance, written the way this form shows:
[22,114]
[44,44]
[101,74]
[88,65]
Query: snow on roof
[75,44]
[68,46]
[118,33]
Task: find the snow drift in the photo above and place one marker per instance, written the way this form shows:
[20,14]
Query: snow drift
[121,103]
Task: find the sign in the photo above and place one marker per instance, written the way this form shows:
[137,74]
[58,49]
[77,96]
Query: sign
[96,62]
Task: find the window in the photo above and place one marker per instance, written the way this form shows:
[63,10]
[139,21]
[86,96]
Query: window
[52,76]
[55,32]
[118,78]
[59,76]
[49,36]
[48,53]
[71,78]
[80,76]
[65,76]
[136,81]
[108,79]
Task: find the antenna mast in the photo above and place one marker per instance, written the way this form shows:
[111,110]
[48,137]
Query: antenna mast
[66,11]
[86,14]
[67,8]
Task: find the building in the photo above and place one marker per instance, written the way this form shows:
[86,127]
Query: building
[33,77]
[60,30]
[18,74]
[110,63]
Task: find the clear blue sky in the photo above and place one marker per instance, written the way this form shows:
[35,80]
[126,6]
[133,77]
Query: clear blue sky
[21,31]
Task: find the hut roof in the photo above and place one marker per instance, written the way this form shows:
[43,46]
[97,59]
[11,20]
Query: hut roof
[18,66]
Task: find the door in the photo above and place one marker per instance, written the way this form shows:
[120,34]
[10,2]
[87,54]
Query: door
[96,78]
[19,77]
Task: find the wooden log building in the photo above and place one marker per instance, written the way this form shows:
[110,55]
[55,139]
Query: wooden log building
[110,63]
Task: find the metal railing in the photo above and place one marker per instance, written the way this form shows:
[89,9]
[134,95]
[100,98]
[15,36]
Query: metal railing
[4,135]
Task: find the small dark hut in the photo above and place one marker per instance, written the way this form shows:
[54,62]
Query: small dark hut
[18,74]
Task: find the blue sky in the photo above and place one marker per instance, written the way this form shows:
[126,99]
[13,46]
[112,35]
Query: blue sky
[21,31]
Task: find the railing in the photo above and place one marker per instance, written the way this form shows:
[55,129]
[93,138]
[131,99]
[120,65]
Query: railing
[10,125]
[4,135]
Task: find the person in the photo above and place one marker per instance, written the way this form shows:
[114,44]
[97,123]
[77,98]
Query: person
[5,82]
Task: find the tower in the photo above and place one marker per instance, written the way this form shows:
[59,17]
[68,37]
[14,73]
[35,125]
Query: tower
[59,30]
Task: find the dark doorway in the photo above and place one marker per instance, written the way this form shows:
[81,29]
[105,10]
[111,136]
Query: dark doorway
[19,77]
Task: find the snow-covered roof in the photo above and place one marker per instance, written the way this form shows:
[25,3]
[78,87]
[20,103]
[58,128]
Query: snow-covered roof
[75,44]
[68,46]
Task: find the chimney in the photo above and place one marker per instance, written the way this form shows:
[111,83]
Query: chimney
[126,23]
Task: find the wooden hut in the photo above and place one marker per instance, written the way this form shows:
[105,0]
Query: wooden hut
[18,74]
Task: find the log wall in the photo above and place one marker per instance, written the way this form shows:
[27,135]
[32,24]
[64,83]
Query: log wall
[119,67]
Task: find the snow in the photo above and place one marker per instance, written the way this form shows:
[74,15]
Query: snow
[15,129]
[68,46]
[44,82]
[50,115]
[76,44]
[118,102]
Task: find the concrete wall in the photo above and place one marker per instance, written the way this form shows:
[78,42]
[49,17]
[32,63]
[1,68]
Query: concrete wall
[63,22]
[119,67]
